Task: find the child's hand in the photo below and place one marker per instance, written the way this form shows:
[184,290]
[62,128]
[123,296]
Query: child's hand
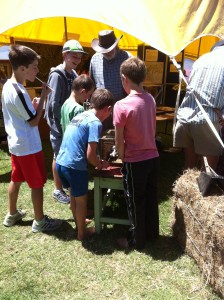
[105,164]
[35,102]
[46,90]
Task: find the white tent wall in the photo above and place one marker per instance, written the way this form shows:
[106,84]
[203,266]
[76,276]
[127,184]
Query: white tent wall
[168,26]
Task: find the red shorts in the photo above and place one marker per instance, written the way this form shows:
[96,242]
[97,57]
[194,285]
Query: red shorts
[29,168]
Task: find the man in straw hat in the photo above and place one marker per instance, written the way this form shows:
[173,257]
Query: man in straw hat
[105,66]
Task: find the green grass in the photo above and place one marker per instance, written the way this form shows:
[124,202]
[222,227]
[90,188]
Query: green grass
[58,266]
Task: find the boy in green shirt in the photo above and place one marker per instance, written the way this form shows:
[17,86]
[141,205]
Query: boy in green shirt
[82,89]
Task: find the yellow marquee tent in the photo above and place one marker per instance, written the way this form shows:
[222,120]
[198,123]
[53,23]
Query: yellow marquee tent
[168,26]
[56,30]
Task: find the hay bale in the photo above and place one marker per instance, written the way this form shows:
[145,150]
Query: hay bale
[198,225]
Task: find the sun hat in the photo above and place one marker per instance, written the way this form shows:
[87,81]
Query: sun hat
[73,46]
[218,44]
[106,41]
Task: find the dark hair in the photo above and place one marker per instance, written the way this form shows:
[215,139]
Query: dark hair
[83,81]
[21,56]
[101,98]
[134,69]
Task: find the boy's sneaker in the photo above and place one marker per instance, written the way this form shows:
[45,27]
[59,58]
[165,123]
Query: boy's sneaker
[10,220]
[47,224]
[61,196]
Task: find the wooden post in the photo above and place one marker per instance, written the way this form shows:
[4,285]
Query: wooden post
[66,32]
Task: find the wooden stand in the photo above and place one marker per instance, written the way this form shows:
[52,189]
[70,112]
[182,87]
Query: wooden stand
[110,178]
[165,114]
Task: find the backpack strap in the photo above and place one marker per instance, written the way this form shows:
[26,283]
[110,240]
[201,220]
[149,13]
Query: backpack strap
[61,75]
[59,72]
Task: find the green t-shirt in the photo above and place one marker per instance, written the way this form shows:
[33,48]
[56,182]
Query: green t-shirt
[68,111]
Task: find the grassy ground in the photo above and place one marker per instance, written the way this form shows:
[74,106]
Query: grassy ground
[57,266]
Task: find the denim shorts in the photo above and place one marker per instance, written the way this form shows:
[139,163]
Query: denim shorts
[76,180]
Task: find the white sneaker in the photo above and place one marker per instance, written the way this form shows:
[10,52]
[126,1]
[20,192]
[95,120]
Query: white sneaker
[61,196]
[10,220]
[47,224]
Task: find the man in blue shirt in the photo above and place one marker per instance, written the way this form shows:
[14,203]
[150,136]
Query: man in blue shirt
[105,66]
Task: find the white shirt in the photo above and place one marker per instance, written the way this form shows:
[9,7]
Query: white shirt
[23,139]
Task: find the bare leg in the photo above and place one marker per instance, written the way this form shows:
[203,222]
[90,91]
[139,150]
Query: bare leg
[13,192]
[57,181]
[80,217]
[37,199]
[80,213]
[191,158]
[73,207]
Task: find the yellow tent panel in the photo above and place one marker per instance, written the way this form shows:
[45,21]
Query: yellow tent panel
[200,47]
[56,30]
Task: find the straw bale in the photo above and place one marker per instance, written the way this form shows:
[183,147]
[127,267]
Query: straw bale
[198,225]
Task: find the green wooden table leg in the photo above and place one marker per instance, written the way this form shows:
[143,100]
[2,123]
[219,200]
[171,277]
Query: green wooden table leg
[97,204]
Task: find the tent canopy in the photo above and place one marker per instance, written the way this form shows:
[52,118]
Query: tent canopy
[56,30]
[168,26]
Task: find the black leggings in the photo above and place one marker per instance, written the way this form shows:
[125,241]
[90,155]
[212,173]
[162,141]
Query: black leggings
[140,190]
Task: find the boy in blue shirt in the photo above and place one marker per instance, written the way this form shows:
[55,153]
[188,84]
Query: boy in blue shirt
[78,148]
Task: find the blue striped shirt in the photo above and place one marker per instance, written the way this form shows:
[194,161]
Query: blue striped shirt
[207,84]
